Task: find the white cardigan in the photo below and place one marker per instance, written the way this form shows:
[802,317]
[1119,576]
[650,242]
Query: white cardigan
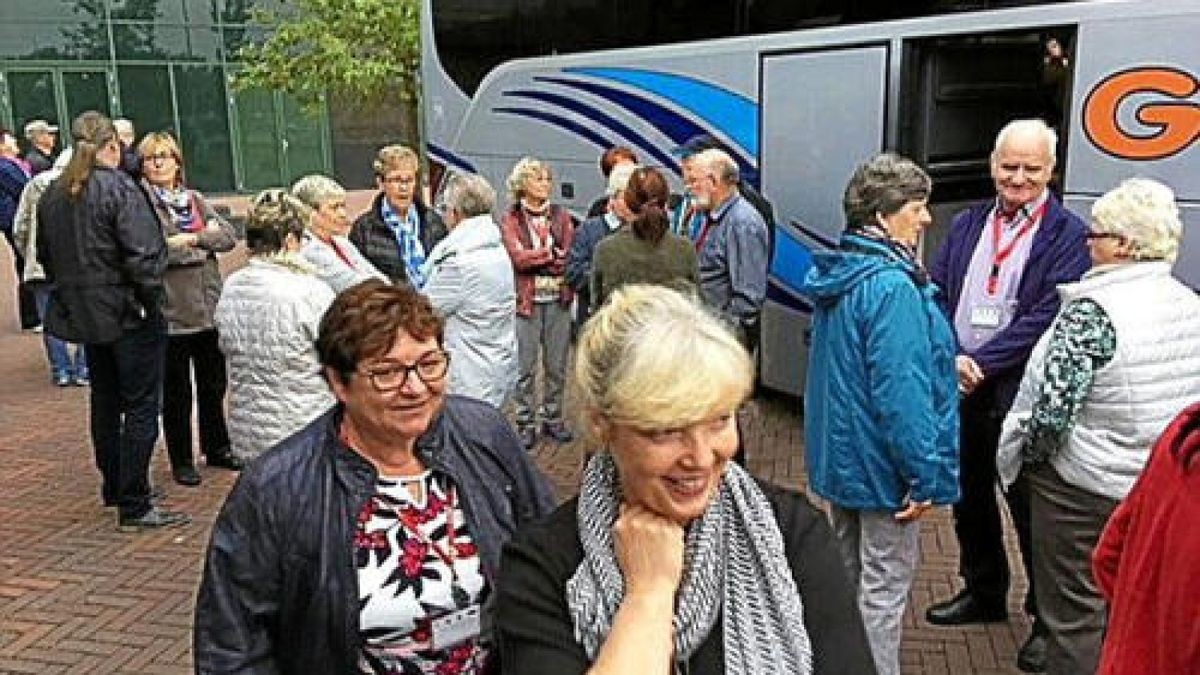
[332,269]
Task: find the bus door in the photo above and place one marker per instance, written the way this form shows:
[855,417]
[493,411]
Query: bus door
[823,113]
[1137,113]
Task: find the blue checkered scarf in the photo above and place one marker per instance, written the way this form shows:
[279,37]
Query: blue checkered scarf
[406,231]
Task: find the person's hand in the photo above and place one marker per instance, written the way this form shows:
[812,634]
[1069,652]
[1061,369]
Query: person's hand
[183,240]
[649,551]
[970,375]
[913,511]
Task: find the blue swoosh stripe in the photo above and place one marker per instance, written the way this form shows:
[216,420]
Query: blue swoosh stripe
[672,125]
[778,294]
[726,110]
[816,236]
[601,118]
[450,158]
[560,122]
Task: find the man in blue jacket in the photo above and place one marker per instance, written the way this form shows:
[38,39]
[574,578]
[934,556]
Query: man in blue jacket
[997,273]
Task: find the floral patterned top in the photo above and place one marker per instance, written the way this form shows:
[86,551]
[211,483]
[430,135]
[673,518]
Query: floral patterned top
[416,562]
[1082,340]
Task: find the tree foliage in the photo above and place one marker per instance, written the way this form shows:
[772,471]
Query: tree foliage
[364,50]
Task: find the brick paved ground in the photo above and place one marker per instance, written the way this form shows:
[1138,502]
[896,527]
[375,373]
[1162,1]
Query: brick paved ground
[77,596]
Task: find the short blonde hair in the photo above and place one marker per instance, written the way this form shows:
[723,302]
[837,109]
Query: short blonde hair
[652,358]
[1144,212]
[393,157]
[314,190]
[159,141]
[522,172]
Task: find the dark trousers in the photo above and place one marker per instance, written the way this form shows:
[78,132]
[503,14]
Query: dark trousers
[126,386]
[983,563]
[198,355]
[26,306]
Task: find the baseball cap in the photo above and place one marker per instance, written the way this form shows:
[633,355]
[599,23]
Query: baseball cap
[39,127]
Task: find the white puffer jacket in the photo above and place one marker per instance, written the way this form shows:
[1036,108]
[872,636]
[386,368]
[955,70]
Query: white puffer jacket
[1152,377]
[470,281]
[267,319]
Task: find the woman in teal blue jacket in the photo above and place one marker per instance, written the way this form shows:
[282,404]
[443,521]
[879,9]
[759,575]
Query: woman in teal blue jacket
[881,403]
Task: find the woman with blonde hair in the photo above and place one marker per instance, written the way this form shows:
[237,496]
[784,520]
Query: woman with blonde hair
[1120,361]
[268,320]
[337,260]
[195,233]
[537,234]
[673,559]
[398,233]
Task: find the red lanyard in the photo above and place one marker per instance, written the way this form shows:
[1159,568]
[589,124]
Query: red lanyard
[414,529]
[709,224]
[1003,254]
[340,253]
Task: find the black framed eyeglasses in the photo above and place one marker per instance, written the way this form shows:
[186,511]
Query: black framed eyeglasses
[1092,235]
[390,376]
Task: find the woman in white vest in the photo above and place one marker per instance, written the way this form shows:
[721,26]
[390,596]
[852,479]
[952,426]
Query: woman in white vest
[1120,361]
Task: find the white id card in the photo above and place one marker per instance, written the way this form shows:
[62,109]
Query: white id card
[986,316]
[455,627]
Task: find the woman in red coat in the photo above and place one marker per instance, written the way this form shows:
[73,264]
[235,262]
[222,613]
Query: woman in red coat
[1145,563]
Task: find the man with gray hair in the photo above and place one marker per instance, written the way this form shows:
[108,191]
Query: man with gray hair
[131,162]
[997,276]
[733,246]
[469,279]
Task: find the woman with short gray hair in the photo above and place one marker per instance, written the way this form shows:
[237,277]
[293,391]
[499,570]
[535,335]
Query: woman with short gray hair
[881,404]
[470,281]
[326,246]
[1120,361]
[538,235]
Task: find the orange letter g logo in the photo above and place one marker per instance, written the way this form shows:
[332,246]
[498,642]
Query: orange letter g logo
[1178,121]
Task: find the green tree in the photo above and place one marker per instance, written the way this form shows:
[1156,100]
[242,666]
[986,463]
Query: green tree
[364,52]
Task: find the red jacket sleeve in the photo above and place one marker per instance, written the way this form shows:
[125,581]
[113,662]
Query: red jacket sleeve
[1106,559]
[524,260]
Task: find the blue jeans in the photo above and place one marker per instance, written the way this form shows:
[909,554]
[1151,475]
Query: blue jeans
[126,392]
[58,351]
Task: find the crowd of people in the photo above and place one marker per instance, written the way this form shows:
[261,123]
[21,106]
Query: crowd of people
[389,516]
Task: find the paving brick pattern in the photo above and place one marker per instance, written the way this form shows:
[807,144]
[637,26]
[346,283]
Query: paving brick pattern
[77,596]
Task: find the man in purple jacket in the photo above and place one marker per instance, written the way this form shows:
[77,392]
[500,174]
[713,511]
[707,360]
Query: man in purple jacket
[997,275]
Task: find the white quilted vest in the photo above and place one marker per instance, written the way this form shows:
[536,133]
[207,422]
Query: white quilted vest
[1154,374]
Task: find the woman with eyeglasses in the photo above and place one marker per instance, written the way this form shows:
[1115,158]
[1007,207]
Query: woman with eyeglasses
[195,233]
[369,541]
[267,321]
[398,232]
[1120,361]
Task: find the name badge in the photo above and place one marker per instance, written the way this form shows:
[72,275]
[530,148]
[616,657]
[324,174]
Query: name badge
[986,316]
[456,627]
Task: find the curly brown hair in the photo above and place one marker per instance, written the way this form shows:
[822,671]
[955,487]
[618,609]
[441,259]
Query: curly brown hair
[362,323]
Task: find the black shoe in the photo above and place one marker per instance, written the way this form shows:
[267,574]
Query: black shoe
[965,608]
[186,475]
[153,518]
[1031,658]
[559,432]
[528,438]
[225,460]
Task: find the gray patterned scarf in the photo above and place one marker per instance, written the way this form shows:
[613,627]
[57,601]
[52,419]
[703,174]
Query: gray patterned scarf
[734,563]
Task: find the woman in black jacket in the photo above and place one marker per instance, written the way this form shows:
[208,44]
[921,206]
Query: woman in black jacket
[673,559]
[368,542]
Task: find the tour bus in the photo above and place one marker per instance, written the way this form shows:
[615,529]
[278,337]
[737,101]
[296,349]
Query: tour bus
[802,91]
